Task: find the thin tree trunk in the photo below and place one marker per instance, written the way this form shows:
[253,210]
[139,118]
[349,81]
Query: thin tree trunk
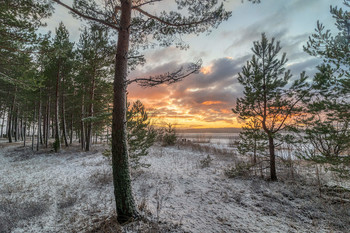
[21,128]
[2,124]
[125,203]
[272,159]
[47,122]
[24,132]
[82,135]
[9,132]
[64,131]
[91,110]
[2,113]
[16,124]
[44,125]
[255,145]
[13,124]
[57,145]
[71,129]
[34,116]
[53,133]
[39,123]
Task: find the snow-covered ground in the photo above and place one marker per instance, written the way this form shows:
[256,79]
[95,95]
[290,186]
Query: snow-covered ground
[72,192]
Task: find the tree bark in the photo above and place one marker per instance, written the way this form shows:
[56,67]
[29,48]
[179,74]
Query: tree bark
[21,128]
[15,119]
[272,158]
[125,204]
[44,124]
[39,123]
[9,131]
[71,129]
[57,145]
[24,132]
[82,130]
[47,122]
[2,124]
[64,131]
[34,113]
[91,111]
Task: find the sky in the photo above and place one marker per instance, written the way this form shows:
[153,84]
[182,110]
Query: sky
[205,100]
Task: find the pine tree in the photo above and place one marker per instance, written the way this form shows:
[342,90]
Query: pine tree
[252,140]
[134,31]
[141,135]
[95,54]
[61,66]
[266,98]
[327,125]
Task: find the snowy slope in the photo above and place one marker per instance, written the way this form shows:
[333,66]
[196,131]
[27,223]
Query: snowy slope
[72,192]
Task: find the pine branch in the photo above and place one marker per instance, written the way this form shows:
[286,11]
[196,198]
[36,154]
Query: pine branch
[87,16]
[146,3]
[169,23]
[168,78]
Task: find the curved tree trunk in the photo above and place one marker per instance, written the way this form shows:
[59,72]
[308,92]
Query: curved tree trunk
[120,162]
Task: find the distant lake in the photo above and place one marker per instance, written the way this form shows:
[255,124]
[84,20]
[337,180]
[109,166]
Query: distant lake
[221,138]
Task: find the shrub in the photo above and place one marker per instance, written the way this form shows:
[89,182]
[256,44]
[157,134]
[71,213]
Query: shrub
[205,162]
[240,169]
[168,135]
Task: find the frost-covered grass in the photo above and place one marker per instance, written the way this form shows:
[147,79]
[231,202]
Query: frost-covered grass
[184,190]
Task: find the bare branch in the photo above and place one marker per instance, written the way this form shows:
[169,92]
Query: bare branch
[168,78]
[86,16]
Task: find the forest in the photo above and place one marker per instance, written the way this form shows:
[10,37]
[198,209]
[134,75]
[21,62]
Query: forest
[78,154]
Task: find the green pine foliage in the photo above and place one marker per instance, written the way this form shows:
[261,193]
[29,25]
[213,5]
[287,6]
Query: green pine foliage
[267,99]
[253,140]
[326,126]
[168,135]
[141,135]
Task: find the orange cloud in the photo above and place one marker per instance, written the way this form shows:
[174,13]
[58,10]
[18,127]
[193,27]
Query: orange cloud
[206,69]
[200,101]
[225,111]
[211,102]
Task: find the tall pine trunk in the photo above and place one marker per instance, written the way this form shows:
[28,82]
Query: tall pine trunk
[15,119]
[91,112]
[2,124]
[57,144]
[24,132]
[9,126]
[82,134]
[21,128]
[125,204]
[64,131]
[47,123]
[272,158]
[39,123]
[34,115]
[71,129]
